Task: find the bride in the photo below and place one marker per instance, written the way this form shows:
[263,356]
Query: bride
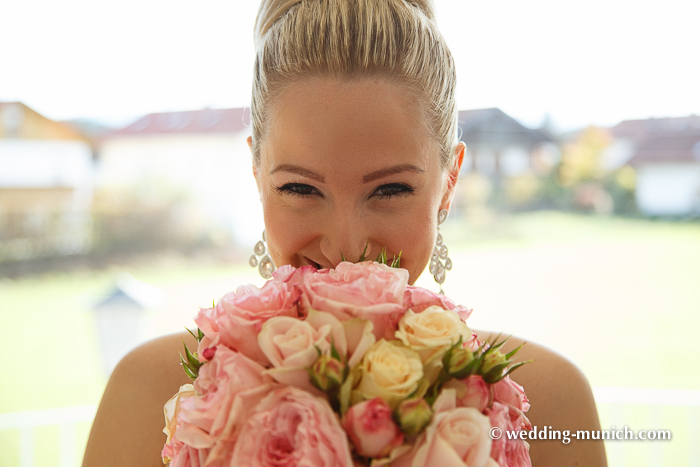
[354,140]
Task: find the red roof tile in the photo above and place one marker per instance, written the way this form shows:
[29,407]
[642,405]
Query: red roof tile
[189,122]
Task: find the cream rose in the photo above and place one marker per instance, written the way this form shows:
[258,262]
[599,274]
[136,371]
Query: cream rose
[171,409]
[388,370]
[432,332]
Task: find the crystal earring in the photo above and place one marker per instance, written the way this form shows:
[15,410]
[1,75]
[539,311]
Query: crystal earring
[265,265]
[437,267]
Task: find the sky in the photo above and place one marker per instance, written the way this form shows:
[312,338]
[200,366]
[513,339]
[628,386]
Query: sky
[580,63]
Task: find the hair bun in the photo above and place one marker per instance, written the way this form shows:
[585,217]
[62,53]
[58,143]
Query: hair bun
[426,6]
[269,12]
[272,10]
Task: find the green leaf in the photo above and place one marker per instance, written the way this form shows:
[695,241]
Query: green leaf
[192,333]
[514,351]
[363,257]
[396,263]
[194,361]
[516,366]
[192,374]
[382,256]
[342,256]
[334,352]
[495,374]
[496,345]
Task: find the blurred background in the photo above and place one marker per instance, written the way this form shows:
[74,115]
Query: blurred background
[127,199]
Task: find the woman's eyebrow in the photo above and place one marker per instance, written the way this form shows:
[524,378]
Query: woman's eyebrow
[377,174]
[295,169]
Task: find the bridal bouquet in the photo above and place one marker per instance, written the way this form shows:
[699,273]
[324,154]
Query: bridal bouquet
[343,367]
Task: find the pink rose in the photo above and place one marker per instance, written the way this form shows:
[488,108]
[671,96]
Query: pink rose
[292,345]
[508,392]
[291,427]
[371,429]
[228,387]
[471,392]
[507,452]
[187,456]
[456,437]
[237,318]
[292,275]
[365,290]
[418,299]
[473,343]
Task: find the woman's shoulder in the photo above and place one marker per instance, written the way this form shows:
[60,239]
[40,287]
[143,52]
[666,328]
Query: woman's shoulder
[127,429]
[561,400]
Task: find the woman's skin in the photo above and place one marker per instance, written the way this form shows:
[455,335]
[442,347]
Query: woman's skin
[344,163]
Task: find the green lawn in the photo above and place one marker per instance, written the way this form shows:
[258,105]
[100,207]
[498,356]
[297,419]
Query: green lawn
[619,297]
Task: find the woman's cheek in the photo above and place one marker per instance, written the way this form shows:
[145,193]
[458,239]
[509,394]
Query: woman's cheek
[287,232]
[415,240]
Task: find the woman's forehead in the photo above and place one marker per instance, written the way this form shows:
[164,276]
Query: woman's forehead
[334,125]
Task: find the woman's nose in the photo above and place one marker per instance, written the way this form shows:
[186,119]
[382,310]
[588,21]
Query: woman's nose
[345,237]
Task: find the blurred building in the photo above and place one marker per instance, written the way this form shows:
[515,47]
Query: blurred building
[45,185]
[666,155]
[200,159]
[498,146]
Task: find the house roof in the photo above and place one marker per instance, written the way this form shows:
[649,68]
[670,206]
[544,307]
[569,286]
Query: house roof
[662,140]
[495,126]
[642,129]
[669,148]
[189,122]
[19,121]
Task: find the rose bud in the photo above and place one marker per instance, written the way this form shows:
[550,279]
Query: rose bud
[413,415]
[371,429]
[458,363]
[471,392]
[493,366]
[327,373]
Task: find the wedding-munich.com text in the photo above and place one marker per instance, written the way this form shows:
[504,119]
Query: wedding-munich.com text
[565,436]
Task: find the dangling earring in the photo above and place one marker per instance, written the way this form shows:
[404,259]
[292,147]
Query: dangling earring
[265,266]
[437,268]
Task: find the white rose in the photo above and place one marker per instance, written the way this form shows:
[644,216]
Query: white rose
[432,332]
[388,370]
[172,408]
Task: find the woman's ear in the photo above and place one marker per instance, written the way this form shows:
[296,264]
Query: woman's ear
[453,175]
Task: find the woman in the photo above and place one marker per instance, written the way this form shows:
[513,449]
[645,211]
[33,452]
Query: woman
[354,142]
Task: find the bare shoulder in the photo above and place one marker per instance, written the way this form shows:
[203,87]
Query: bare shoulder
[561,399]
[127,429]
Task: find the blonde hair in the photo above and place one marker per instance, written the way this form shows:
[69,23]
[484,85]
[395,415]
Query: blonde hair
[397,40]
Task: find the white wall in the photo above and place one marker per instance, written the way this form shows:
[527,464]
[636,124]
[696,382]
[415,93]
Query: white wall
[48,164]
[668,189]
[44,163]
[514,161]
[216,170]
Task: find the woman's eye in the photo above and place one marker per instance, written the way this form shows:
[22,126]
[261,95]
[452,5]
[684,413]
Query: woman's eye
[393,189]
[297,189]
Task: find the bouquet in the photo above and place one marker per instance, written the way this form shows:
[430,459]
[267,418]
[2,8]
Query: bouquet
[343,367]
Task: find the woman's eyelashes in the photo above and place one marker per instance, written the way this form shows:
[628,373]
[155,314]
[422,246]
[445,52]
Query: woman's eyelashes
[298,189]
[382,192]
[391,190]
